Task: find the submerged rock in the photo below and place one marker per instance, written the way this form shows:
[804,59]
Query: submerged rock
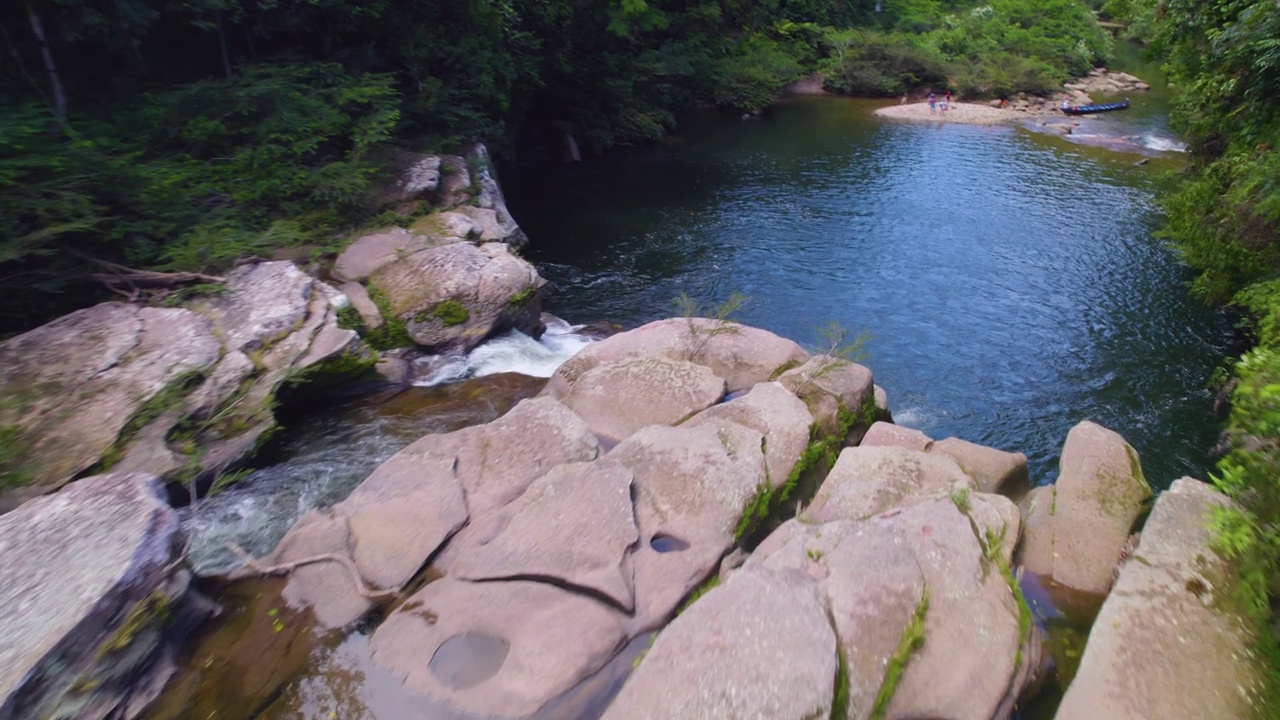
[91,638]
[1099,495]
[1169,643]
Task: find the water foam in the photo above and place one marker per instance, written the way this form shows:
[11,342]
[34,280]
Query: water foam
[1163,144]
[512,352]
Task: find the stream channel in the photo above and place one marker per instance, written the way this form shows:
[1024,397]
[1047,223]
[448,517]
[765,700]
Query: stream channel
[1006,278]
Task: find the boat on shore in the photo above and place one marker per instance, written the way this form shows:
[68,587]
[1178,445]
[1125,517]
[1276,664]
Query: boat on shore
[1091,109]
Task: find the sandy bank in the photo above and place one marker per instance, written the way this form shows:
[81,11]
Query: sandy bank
[965,113]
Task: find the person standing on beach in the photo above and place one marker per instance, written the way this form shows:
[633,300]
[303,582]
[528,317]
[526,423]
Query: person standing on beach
[947,98]
[933,103]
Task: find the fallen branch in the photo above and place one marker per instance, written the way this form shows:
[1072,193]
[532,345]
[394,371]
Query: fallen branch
[292,565]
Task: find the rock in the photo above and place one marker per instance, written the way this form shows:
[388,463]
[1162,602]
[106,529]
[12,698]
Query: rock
[1036,549]
[870,480]
[496,648]
[402,513]
[73,386]
[994,471]
[882,405]
[1099,494]
[692,484]
[92,600]
[776,414]
[618,398]
[883,434]
[1169,607]
[976,659]
[840,394]
[455,182]
[574,525]
[873,589]
[395,370]
[366,254]
[758,647]
[363,304]
[489,196]
[451,297]
[742,355]
[420,179]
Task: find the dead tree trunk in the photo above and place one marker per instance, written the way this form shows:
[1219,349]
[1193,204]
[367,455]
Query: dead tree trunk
[50,67]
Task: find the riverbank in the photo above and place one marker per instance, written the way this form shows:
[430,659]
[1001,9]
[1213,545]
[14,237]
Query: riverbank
[959,112]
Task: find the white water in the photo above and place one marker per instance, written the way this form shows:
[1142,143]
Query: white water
[1163,144]
[512,351]
[336,452]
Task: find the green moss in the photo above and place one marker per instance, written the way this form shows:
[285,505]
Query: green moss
[449,312]
[521,298]
[152,611]
[706,587]
[349,319]
[840,699]
[912,638]
[335,371]
[992,544]
[170,396]
[960,496]
[15,450]
[783,369]
[392,333]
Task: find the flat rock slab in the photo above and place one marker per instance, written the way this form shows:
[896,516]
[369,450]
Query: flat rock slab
[1099,495]
[77,564]
[692,485]
[363,257]
[883,434]
[574,525]
[869,480]
[497,648]
[618,398]
[742,355]
[758,647]
[1164,646]
[995,471]
[772,411]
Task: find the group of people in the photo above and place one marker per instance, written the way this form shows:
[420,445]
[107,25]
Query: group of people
[935,106]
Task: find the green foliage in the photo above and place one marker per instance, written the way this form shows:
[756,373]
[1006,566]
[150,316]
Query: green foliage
[912,639]
[710,584]
[840,698]
[392,333]
[169,397]
[13,457]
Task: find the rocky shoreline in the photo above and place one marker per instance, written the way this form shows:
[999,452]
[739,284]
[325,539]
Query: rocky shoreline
[797,554]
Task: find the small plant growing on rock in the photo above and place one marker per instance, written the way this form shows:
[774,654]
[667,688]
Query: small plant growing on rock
[836,348]
[720,316]
[960,496]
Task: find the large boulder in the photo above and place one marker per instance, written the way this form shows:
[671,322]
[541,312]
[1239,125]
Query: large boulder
[742,355]
[1172,607]
[1099,495]
[618,398]
[840,394]
[404,512]
[177,392]
[995,471]
[867,480]
[574,526]
[453,296]
[758,647]
[884,434]
[777,415]
[92,600]
[693,484]
[497,648]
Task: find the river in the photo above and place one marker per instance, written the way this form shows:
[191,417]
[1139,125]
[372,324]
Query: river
[1007,280]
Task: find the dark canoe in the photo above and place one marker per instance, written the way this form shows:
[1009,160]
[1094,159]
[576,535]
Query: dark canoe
[1090,109]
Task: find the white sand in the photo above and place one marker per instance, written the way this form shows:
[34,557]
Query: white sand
[965,113]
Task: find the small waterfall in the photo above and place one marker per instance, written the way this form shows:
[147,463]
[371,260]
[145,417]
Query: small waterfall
[512,351]
[325,458]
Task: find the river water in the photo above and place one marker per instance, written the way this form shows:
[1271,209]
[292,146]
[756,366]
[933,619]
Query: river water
[1007,280]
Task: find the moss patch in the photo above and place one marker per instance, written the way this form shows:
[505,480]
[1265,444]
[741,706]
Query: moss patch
[840,698]
[392,334]
[912,639]
[14,451]
[151,611]
[706,587]
[333,372]
[449,312]
[522,297]
[170,396]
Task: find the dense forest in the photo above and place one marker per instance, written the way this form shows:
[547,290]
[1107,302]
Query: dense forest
[1224,215]
[182,135]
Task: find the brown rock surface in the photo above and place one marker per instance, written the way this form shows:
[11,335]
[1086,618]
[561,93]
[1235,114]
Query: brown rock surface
[758,647]
[870,480]
[883,434]
[831,386]
[776,414]
[995,471]
[1165,645]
